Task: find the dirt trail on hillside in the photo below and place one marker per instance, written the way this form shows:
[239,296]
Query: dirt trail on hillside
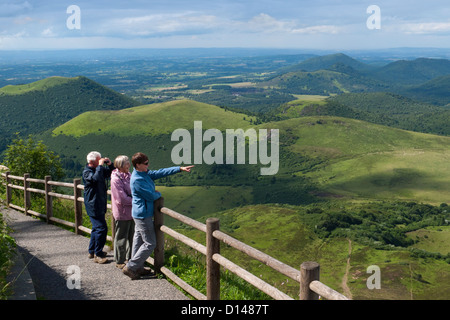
[345,287]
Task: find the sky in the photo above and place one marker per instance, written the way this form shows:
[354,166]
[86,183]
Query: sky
[312,24]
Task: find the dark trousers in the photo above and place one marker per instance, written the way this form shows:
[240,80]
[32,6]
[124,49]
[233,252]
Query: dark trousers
[98,235]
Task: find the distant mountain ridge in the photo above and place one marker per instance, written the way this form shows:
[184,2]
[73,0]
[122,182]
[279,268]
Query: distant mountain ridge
[413,72]
[423,79]
[325,62]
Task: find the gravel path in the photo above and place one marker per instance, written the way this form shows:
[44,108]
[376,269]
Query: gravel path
[53,254]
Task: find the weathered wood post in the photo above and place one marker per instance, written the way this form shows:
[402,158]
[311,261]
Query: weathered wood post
[77,206]
[309,271]
[212,267]
[158,222]
[26,193]
[48,198]
[8,189]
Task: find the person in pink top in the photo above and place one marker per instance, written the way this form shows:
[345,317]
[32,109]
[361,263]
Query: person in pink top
[121,209]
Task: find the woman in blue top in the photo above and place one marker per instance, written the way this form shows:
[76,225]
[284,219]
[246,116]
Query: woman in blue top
[144,194]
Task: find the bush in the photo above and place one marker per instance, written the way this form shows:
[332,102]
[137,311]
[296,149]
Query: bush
[28,156]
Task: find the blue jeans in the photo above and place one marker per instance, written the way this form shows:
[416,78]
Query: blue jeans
[98,235]
[144,242]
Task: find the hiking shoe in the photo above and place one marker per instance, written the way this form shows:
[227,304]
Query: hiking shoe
[100,260]
[146,272]
[101,255]
[120,265]
[133,275]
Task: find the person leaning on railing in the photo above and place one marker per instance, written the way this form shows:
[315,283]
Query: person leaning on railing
[144,194]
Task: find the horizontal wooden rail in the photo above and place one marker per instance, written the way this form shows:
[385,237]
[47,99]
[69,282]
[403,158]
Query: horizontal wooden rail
[258,255]
[189,221]
[250,278]
[186,240]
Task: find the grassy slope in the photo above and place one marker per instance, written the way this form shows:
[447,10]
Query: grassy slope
[155,119]
[372,161]
[35,86]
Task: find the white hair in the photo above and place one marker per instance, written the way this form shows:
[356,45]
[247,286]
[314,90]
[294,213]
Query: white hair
[92,156]
[121,161]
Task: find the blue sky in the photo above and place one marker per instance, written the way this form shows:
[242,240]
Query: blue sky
[335,24]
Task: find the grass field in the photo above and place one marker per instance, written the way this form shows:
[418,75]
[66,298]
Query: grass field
[294,108]
[433,239]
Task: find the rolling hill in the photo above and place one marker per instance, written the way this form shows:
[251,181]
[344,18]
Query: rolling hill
[435,91]
[413,72]
[339,78]
[335,155]
[44,104]
[390,109]
[326,62]
[154,119]
[370,161]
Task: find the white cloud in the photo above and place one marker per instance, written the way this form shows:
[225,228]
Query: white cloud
[327,29]
[48,32]
[266,23]
[426,28]
[159,24]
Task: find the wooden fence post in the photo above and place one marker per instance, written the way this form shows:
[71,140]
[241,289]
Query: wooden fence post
[158,222]
[48,198]
[77,206]
[8,189]
[26,193]
[309,271]
[212,267]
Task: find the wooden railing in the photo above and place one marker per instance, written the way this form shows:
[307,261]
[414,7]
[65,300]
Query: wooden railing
[307,277]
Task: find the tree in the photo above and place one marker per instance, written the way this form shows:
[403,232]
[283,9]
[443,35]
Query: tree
[29,156]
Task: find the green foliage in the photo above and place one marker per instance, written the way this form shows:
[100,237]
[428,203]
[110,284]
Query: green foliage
[7,245]
[383,223]
[390,110]
[33,157]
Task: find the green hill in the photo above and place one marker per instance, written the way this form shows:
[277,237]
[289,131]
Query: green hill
[365,160]
[435,91]
[338,79]
[389,109]
[325,62]
[412,72]
[44,104]
[154,119]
